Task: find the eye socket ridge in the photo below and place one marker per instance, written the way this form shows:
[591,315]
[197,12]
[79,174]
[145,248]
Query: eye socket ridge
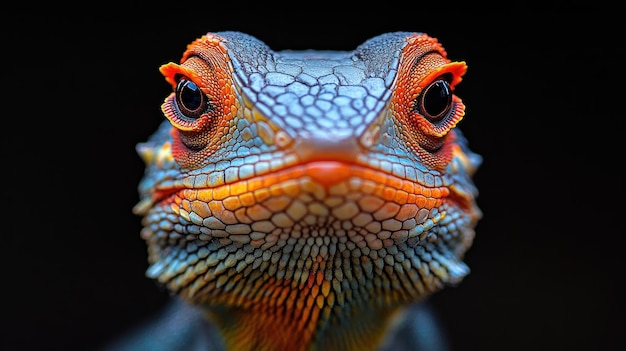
[191,101]
[435,101]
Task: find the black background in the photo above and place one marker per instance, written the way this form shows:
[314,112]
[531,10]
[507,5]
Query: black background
[544,108]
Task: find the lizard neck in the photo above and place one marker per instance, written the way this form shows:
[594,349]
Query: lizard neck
[286,316]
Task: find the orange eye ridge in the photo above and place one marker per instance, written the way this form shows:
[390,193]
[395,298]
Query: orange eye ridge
[435,108]
[202,105]
[188,106]
[424,102]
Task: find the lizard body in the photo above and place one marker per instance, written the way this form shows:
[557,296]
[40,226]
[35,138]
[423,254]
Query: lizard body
[303,199]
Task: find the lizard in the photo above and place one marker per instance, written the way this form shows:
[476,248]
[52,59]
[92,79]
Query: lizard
[309,199]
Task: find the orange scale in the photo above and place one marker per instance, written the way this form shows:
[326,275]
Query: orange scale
[313,188]
[378,189]
[216,207]
[291,299]
[394,182]
[291,187]
[401,197]
[238,188]
[315,289]
[368,187]
[436,193]
[320,301]
[262,195]
[190,194]
[373,175]
[407,186]
[177,199]
[221,192]
[445,192]
[186,205]
[305,312]
[320,276]
[269,180]
[277,190]
[389,193]
[315,312]
[255,183]
[431,203]
[420,201]
[383,179]
[205,195]
[201,209]
[282,297]
[258,212]
[247,199]
[232,203]
[293,173]
[277,204]
[325,287]
[330,299]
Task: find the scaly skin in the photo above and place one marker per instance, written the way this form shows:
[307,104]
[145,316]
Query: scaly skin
[304,199]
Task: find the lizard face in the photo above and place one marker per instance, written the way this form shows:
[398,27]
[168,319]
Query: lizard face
[302,198]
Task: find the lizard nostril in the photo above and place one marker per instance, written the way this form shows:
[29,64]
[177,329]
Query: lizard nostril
[370,136]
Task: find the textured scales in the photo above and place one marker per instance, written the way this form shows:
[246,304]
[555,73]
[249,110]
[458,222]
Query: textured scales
[307,197]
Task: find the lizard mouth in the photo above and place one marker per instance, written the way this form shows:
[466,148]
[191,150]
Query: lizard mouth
[328,177]
[327,180]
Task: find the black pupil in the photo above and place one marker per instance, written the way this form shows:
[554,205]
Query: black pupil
[190,95]
[437,98]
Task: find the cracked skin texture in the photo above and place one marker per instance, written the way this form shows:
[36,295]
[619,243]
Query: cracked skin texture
[304,200]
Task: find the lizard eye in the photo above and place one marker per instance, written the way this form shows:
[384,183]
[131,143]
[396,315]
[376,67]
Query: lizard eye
[435,101]
[191,101]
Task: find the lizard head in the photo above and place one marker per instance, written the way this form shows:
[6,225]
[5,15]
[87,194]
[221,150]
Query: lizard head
[303,198]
